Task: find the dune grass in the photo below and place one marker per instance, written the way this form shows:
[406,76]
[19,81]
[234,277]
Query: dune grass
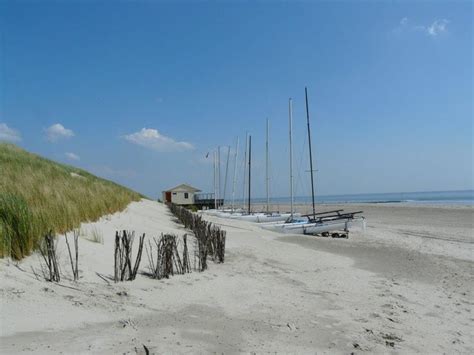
[92,234]
[38,195]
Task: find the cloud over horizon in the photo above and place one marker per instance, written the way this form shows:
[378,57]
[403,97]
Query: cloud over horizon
[57,132]
[153,139]
[9,134]
[72,156]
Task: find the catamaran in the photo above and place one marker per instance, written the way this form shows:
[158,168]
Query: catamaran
[267,216]
[317,223]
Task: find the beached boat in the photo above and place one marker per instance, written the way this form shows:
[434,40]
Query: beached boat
[267,216]
[316,223]
[320,223]
[276,217]
[342,223]
[322,227]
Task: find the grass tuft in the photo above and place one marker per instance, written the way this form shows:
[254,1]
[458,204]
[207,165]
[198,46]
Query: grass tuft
[38,195]
[93,235]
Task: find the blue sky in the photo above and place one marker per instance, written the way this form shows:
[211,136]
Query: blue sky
[139,92]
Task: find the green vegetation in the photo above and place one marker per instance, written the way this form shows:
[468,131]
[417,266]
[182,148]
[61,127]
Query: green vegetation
[38,195]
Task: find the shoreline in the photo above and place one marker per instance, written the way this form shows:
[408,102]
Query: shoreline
[454,197]
[285,207]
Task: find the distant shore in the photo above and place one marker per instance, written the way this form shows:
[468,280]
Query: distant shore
[306,208]
[461,198]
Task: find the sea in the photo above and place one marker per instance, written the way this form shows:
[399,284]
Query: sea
[463,198]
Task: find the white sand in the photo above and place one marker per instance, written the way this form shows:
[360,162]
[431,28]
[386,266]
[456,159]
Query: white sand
[405,286]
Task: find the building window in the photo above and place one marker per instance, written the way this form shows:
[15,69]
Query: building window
[186,195]
[174,193]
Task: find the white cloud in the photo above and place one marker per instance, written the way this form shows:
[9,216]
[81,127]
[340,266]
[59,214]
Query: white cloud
[151,138]
[72,156]
[57,132]
[436,28]
[9,134]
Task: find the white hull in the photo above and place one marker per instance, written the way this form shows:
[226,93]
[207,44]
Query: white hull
[222,213]
[249,217]
[229,214]
[326,226]
[278,226]
[265,218]
[275,217]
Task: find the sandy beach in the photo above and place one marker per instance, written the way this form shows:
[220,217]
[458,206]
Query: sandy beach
[403,286]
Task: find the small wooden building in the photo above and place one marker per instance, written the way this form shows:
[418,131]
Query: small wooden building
[182,195]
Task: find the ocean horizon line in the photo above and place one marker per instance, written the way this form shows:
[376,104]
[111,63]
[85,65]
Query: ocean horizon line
[463,197]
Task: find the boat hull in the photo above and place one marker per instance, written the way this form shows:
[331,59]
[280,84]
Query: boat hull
[324,227]
[275,217]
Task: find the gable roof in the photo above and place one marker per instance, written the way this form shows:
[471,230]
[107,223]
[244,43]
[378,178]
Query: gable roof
[184,187]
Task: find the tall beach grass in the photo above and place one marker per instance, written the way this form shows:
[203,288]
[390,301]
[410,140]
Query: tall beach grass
[38,195]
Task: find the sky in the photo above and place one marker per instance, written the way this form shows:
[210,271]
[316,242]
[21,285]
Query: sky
[141,92]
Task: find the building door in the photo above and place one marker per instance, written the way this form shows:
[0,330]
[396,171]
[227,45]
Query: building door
[168,196]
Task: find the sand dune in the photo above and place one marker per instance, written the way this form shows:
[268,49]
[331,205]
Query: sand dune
[405,286]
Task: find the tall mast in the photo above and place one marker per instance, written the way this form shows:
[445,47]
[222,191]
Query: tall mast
[226,170]
[290,119]
[215,180]
[218,173]
[236,155]
[310,151]
[250,168]
[266,169]
[245,168]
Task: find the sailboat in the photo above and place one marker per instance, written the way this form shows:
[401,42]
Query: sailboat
[232,212]
[267,216]
[322,222]
[249,216]
[292,217]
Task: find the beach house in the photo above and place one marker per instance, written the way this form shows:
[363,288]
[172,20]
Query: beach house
[186,195]
[182,195]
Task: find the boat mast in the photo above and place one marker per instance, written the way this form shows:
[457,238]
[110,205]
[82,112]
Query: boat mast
[218,173]
[250,168]
[215,181]
[290,119]
[310,150]
[245,169]
[226,170]
[266,169]
[236,155]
